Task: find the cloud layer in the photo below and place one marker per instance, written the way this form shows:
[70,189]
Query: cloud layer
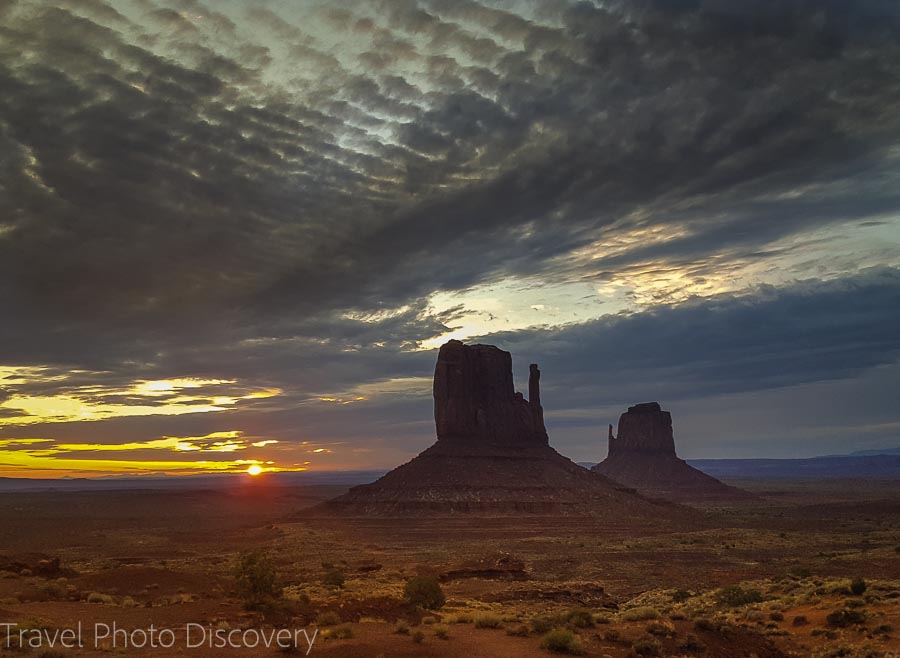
[298,197]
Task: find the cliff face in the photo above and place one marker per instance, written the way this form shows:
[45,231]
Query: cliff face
[474,398]
[644,428]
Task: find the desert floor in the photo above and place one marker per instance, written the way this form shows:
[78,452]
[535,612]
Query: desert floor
[768,579]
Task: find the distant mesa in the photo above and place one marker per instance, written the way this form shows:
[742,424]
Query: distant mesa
[643,457]
[492,455]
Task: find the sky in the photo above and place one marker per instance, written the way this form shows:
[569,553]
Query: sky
[233,234]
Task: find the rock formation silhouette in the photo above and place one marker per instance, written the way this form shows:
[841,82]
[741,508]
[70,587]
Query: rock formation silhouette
[643,457]
[475,400]
[492,455]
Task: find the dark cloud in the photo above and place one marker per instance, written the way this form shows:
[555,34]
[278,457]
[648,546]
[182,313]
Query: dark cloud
[181,196]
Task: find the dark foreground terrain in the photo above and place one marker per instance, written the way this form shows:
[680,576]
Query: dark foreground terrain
[806,570]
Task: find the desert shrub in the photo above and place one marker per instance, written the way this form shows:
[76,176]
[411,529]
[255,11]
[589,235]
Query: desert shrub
[418,637]
[334,579]
[487,620]
[858,587]
[855,603]
[659,628]
[776,616]
[97,597]
[602,619]
[844,618]
[736,596]
[459,619]
[801,572]
[425,591]
[518,631]
[677,616]
[256,580]
[647,646]
[542,624]
[612,635]
[706,625]
[691,644]
[340,633]
[402,628]
[642,613]
[329,618]
[883,629]
[428,621]
[562,641]
[580,618]
[800,620]
[441,633]
[680,595]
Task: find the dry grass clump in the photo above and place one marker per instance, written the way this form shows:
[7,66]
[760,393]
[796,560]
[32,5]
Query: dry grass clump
[641,613]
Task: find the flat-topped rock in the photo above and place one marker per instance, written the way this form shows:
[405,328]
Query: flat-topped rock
[644,427]
[643,456]
[475,399]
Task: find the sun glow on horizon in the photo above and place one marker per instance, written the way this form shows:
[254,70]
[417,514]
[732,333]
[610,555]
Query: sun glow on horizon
[254,469]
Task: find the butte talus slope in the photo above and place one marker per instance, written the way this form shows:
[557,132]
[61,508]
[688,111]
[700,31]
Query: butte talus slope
[643,457]
[492,455]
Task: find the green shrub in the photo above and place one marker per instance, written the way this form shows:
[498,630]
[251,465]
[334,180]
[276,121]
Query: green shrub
[858,587]
[441,632]
[329,618]
[580,618]
[340,633]
[460,618]
[334,579]
[642,613]
[680,595]
[647,646]
[487,620]
[691,644]
[657,628]
[562,641]
[256,580]
[735,596]
[542,625]
[706,625]
[425,591]
[844,618]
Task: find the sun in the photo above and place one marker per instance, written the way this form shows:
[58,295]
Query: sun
[254,469]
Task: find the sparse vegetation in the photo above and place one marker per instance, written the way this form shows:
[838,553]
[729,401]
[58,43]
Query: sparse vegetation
[642,613]
[402,628]
[256,580]
[425,592]
[736,596]
[441,632]
[562,641]
[647,646]
[858,587]
[334,579]
[487,620]
[845,618]
[580,618]
[418,637]
[329,618]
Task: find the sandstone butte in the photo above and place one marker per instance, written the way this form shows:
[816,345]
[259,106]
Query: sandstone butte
[643,457]
[492,456]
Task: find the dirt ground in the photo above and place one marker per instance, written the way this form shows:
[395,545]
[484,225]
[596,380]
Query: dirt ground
[807,570]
